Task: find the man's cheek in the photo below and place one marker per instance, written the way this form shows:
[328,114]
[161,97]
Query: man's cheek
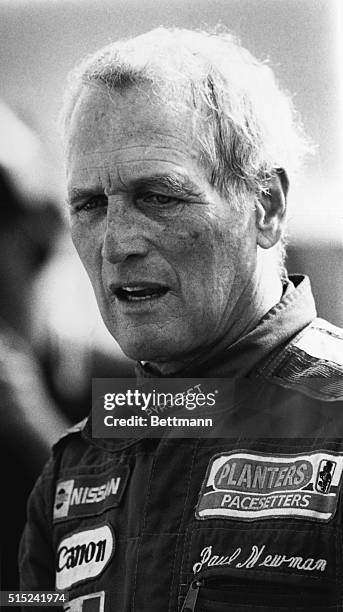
[88,247]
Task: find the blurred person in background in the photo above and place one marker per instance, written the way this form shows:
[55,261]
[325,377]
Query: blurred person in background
[179,149]
[31,223]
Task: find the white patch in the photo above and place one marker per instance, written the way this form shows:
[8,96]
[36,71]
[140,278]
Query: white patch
[95,602]
[83,555]
[62,498]
[322,341]
[251,486]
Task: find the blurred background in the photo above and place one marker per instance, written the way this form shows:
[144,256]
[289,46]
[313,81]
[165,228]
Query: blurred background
[52,340]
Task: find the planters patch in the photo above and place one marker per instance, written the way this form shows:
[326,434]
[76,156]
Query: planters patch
[251,486]
[89,495]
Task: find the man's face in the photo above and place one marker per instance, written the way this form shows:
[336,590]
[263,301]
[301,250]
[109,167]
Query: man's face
[168,257]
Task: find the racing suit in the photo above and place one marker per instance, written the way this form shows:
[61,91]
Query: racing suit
[212,524]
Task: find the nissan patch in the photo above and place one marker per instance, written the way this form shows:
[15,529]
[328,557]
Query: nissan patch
[89,495]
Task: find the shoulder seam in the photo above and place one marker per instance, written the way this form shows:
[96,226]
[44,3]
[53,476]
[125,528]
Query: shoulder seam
[74,429]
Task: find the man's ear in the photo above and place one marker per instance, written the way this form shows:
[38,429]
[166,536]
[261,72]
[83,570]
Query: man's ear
[271,210]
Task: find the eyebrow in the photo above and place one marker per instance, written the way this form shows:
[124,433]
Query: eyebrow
[178,183]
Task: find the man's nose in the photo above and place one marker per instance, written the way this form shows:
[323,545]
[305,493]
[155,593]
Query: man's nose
[124,233]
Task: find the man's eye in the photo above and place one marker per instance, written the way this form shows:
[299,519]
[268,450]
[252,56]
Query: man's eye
[159,199]
[93,203]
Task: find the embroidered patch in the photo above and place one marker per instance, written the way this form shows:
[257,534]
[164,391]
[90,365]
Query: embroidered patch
[90,495]
[87,603]
[83,555]
[255,557]
[323,341]
[250,486]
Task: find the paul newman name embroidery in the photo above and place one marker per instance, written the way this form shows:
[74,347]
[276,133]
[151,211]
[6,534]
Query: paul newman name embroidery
[257,557]
[251,486]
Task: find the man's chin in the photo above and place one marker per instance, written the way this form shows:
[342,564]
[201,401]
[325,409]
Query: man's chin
[146,350]
[141,353]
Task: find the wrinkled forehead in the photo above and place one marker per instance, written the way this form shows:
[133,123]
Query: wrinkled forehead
[120,118]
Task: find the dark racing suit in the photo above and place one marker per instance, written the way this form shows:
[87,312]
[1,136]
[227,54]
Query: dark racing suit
[241,522]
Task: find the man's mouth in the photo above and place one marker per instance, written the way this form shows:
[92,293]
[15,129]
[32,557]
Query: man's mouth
[140,293]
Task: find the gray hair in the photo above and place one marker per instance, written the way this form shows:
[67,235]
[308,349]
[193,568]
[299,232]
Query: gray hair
[245,124]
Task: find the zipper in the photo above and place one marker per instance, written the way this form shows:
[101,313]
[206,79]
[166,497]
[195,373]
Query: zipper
[209,580]
[192,596]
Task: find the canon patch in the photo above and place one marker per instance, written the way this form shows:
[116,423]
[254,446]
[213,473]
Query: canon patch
[250,486]
[83,555]
[89,495]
